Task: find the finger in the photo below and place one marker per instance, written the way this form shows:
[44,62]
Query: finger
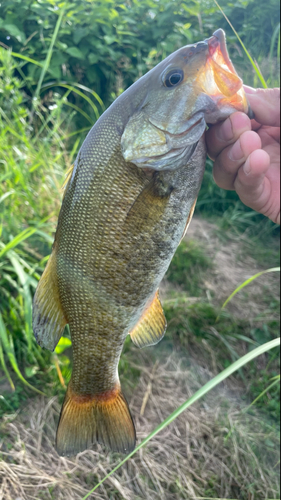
[257,185]
[250,176]
[251,183]
[265,104]
[223,134]
[270,136]
[228,163]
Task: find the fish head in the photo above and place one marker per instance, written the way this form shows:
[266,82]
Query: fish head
[195,86]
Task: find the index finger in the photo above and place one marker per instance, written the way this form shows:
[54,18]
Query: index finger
[225,133]
[265,104]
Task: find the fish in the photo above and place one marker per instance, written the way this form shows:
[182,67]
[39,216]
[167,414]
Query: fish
[127,204]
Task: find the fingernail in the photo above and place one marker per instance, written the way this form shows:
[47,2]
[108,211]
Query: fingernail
[225,132]
[236,152]
[247,167]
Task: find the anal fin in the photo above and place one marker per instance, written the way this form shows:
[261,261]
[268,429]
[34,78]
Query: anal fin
[48,318]
[151,327]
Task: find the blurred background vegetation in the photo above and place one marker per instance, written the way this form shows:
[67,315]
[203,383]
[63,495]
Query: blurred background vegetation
[61,65]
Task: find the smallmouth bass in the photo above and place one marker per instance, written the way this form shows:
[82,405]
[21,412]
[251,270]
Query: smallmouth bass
[127,205]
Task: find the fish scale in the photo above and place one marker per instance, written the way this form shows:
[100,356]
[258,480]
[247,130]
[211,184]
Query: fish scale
[127,204]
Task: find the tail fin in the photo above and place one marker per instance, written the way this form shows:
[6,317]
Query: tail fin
[104,419]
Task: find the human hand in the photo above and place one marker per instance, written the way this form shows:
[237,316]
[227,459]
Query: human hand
[246,153]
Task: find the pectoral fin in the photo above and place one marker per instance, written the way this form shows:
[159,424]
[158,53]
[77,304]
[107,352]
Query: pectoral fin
[48,317]
[152,325]
[189,218]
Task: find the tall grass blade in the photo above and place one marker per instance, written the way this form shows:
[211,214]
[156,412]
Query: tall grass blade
[4,367]
[27,59]
[277,381]
[255,66]
[80,131]
[276,34]
[26,233]
[23,279]
[49,56]
[9,349]
[83,87]
[74,149]
[199,394]
[79,110]
[78,92]
[248,281]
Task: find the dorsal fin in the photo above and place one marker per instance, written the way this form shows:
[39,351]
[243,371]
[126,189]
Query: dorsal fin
[151,327]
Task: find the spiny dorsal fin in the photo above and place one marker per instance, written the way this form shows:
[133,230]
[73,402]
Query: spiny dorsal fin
[151,327]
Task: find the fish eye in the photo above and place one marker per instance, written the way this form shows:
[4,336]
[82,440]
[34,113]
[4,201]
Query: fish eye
[173,78]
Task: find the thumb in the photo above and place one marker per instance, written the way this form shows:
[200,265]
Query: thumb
[265,103]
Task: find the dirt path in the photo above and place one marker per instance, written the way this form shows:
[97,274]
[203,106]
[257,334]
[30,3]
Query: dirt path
[232,266]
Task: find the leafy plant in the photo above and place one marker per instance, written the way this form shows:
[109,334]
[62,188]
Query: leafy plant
[115,42]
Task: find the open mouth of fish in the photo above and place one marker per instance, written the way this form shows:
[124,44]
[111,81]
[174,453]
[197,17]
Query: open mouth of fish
[219,78]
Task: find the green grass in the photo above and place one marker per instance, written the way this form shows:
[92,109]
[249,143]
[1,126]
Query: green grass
[188,267]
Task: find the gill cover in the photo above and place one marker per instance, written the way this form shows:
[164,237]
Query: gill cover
[163,133]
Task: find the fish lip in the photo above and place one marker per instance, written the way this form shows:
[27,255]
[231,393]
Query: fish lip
[219,40]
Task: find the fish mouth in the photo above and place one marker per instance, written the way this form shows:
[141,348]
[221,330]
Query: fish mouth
[217,44]
[219,78]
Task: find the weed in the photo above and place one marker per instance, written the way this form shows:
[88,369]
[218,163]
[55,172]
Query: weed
[188,267]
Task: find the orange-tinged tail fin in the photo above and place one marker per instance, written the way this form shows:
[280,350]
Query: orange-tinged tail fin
[103,418]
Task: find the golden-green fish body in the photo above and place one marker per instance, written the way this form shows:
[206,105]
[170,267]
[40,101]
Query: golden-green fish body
[126,207]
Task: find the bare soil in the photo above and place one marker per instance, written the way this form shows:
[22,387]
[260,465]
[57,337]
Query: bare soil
[232,266]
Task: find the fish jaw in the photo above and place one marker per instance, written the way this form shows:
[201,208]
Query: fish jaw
[220,81]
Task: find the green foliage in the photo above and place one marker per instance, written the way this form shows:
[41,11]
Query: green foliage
[107,45]
[268,401]
[28,175]
[188,266]
[256,25]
